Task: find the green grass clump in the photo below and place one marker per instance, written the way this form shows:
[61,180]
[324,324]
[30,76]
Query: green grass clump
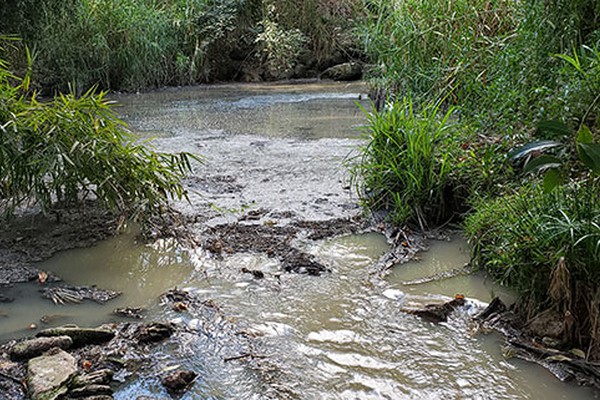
[520,238]
[68,148]
[407,165]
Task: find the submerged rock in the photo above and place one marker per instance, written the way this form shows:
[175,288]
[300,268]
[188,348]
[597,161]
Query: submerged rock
[36,347]
[91,391]
[438,312]
[100,377]
[130,312]
[80,336]
[48,375]
[178,381]
[76,294]
[154,332]
[5,299]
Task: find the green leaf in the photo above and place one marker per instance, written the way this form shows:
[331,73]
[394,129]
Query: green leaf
[585,135]
[542,163]
[552,178]
[532,147]
[589,153]
[554,129]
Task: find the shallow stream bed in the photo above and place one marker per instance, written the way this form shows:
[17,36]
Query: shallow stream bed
[277,151]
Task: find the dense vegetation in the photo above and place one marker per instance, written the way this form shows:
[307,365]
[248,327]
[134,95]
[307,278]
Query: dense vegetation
[73,148]
[136,44]
[516,159]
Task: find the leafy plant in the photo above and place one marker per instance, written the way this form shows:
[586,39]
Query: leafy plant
[406,166]
[281,47]
[521,237]
[72,147]
[536,160]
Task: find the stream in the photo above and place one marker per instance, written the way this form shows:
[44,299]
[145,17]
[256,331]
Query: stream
[274,155]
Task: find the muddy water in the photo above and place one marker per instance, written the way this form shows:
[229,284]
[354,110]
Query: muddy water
[305,111]
[339,336]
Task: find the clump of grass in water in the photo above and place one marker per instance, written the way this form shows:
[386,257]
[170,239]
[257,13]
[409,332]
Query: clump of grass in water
[407,165]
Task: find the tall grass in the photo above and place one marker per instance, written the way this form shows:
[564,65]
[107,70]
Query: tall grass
[131,45]
[520,238]
[494,58]
[429,48]
[547,246]
[407,165]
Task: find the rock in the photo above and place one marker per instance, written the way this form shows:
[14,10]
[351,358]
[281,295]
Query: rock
[349,71]
[550,324]
[80,336]
[438,312]
[48,375]
[178,381]
[154,332]
[91,390]
[36,347]
[299,262]
[11,380]
[256,274]
[496,306]
[176,295]
[100,377]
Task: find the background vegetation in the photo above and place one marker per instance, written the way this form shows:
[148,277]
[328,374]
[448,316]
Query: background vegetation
[516,73]
[132,45]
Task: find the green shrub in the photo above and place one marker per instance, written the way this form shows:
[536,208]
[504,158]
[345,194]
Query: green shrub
[407,165]
[68,148]
[519,239]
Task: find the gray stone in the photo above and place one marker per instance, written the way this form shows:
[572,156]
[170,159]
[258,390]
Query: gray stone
[350,71]
[36,347]
[48,375]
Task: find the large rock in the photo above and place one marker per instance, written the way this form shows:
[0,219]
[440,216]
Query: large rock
[36,347]
[350,71]
[48,375]
[80,336]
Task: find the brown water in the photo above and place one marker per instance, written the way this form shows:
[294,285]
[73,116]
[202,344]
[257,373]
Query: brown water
[339,336]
